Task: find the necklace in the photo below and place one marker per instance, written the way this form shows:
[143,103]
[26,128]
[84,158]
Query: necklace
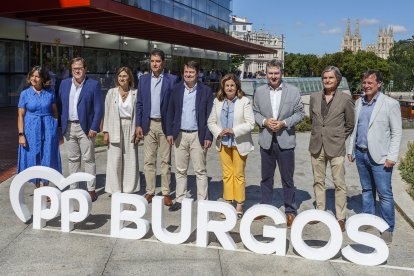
[123,94]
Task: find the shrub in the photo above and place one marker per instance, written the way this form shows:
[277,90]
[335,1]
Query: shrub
[304,125]
[407,166]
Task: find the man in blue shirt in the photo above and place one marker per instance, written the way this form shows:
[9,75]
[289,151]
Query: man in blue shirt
[151,112]
[188,110]
[374,144]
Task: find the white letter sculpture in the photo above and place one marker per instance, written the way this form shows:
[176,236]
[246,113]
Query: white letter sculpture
[220,228]
[381,250]
[278,245]
[157,221]
[40,212]
[119,215]
[69,216]
[321,254]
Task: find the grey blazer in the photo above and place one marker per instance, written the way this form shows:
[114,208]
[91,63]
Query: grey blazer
[291,110]
[384,131]
[338,124]
[112,121]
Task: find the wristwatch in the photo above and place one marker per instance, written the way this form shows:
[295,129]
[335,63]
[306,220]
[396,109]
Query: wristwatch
[21,134]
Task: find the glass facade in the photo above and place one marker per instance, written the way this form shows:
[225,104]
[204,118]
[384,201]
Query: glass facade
[104,53]
[210,14]
[14,58]
[305,85]
[17,57]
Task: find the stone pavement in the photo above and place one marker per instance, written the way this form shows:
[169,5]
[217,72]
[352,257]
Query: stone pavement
[89,250]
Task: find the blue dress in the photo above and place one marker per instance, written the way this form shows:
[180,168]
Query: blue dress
[40,130]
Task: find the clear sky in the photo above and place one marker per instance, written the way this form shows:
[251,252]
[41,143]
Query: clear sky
[318,26]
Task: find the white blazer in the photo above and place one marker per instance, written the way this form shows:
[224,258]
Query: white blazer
[243,124]
[384,130]
[112,121]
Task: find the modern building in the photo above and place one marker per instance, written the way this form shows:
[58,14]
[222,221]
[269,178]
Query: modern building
[110,34]
[242,29]
[353,42]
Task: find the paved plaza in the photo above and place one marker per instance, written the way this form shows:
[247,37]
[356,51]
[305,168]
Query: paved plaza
[88,250]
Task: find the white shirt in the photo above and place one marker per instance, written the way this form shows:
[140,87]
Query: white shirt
[125,108]
[275,97]
[73,100]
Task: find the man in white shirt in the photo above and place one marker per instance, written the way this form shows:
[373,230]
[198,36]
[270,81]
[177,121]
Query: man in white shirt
[82,110]
[277,109]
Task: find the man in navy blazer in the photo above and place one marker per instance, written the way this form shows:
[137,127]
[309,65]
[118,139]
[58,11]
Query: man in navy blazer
[151,111]
[188,111]
[82,110]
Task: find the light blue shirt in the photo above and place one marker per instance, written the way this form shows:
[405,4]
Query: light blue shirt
[226,119]
[156,84]
[363,121]
[188,115]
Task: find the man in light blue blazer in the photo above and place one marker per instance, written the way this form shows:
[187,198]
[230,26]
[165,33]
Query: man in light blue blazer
[82,110]
[277,109]
[375,144]
[151,113]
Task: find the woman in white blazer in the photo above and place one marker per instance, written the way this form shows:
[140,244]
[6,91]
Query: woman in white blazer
[231,122]
[122,174]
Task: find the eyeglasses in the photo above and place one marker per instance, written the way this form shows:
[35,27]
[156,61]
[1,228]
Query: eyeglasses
[77,69]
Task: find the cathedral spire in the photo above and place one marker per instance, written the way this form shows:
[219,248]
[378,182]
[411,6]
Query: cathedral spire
[348,27]
[356,27]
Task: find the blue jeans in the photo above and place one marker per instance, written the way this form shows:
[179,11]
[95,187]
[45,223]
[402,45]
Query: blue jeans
[375,178]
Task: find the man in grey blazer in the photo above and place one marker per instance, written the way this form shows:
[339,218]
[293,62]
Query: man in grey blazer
[374,144]
[277,109]
[332,115]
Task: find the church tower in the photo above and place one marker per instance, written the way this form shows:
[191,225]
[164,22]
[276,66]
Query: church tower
[385,42]
[352,42]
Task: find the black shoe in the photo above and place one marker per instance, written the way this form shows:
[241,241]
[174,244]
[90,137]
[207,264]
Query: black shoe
[175,207]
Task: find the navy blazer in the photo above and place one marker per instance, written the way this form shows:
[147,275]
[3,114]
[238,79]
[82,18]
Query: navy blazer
[143,107]
[90,104]
[204,103]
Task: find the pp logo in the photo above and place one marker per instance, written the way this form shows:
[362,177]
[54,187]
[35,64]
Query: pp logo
[61,203]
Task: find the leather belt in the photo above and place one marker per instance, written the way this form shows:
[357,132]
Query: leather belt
[361,149]
[74,121]
[188,131]
[155,119]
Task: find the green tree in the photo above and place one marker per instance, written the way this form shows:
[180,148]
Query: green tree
[353,65]
[401,60]
[299,65]
[236,61]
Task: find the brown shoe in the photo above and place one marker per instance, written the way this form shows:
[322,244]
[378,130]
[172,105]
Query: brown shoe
[148,197]
[167,200]
[93,195]
[290,218]
[342,224]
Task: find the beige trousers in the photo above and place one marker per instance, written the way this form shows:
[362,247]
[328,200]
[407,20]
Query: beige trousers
[319,163]
[155,141]
[186,147]
[122,173]
[79,145]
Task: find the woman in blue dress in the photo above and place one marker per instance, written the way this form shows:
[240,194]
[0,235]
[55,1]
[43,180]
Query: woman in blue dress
[37,125]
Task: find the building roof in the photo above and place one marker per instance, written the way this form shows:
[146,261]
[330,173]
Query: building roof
[111,17]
